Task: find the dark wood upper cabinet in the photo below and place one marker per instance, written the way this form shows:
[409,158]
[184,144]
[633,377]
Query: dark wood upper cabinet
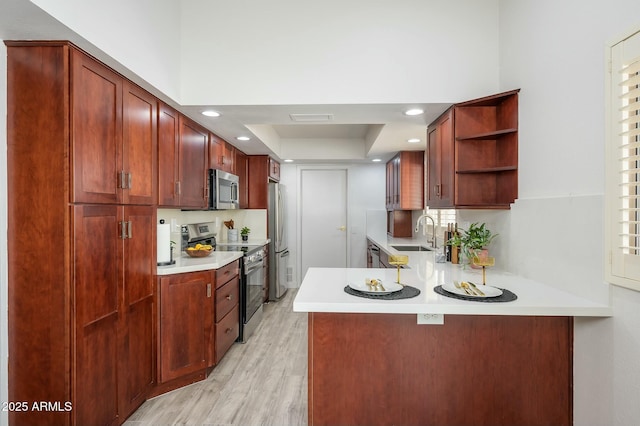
[182,160]
[440,170]
[242,170]
[193,147]
[168,156]
[405,181]
[113,134]
[262,170]
[140,134]
[222,155]
[480,155]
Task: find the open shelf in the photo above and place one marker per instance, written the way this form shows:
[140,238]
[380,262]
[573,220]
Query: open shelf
[488,135]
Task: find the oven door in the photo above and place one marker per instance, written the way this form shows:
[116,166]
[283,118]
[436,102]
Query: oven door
[254,279]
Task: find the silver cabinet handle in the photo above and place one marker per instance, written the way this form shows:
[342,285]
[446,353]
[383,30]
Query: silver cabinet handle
[209,290]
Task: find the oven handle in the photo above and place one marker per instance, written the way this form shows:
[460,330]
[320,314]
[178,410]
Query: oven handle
[253,267]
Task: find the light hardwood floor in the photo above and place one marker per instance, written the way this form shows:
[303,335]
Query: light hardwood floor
[261,382]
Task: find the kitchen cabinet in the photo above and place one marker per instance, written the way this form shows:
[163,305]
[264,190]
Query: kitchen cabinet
[472,154]
[182,160]
[113,287]
[242,170]
[222,154]
[399,223]
[80,260]
[186,318]
[440,157]
[113,136]
[227,318]
[274,170]
[405,181]
[262,170]
[427,373]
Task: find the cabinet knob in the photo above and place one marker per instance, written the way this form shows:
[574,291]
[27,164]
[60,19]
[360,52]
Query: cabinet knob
[229,297]
[228,330]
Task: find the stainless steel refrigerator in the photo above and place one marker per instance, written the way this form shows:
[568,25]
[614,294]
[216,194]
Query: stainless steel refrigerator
[278,249]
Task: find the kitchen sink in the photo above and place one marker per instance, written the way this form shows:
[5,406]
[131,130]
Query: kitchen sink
[412,248]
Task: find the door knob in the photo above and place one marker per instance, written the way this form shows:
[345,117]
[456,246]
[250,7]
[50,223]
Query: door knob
[342,228]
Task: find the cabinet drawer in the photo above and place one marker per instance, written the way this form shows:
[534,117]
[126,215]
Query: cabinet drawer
[224,274]
[227,297]
[227,331]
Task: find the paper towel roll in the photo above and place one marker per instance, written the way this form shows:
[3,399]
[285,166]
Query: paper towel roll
[164,243]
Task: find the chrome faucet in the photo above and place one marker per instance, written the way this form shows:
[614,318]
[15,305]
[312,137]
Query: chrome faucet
[433,235]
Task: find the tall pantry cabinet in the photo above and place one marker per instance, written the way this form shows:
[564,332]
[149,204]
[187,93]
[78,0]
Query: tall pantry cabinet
[81,172]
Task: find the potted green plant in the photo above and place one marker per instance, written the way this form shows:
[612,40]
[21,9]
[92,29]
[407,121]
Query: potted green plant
[244,232]
[475,240]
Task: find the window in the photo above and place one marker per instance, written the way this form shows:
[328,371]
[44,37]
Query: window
[622,194]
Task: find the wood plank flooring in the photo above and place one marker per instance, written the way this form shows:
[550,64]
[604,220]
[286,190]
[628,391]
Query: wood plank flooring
[261,382]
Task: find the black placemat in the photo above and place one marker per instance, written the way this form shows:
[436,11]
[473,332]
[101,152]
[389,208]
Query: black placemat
[506,296]
[407,292]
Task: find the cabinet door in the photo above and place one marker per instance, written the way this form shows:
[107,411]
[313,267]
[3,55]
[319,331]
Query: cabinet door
[243,184]
[193,162]
[139,161]
[186,307]
[258,181]
[216,152]
[168,156]
[96,131]
[440,160]
[137,361]
[274,169]
[97,281]
[411,180]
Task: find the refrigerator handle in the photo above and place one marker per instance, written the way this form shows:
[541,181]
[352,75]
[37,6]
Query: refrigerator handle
[280,217]
[285,253]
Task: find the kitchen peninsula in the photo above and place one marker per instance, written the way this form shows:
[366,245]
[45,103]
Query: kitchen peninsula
[370,362]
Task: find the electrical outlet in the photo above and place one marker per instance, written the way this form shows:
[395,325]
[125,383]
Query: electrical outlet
[434,319]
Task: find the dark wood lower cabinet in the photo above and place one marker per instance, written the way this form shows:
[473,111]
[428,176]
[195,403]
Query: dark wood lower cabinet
[186,307]
[384,369]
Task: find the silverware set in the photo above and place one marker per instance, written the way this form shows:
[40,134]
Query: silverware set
[374,284]
[469,288]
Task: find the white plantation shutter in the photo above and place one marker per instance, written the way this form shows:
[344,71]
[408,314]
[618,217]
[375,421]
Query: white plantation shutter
[623,165]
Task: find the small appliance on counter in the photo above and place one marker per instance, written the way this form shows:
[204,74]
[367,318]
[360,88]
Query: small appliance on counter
[164,247]
[203,233]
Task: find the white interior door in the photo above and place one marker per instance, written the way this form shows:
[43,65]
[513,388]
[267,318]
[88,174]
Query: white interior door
[323,216]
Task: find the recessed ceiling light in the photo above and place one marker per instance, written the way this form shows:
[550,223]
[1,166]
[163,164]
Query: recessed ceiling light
[243,138]
[211,113]
[413,111]
[376,160]
[413,140]
[288,160]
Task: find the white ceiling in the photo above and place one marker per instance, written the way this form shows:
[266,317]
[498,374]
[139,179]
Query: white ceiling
[379,130]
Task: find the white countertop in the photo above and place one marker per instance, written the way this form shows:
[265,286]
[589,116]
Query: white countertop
[185,263]
[216,260]
[322,290]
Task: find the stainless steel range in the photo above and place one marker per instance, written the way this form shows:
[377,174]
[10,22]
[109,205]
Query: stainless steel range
[252,285]
[253,268]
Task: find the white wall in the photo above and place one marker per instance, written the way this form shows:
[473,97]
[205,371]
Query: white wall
[335,51]
[554,51]
[365,191]
[143,35]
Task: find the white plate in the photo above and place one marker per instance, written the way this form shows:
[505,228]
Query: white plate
[388,287]
[486,289]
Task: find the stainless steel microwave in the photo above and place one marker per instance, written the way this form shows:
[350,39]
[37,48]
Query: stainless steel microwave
[223,190]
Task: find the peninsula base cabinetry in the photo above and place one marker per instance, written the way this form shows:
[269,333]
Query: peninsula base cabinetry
[385,369]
